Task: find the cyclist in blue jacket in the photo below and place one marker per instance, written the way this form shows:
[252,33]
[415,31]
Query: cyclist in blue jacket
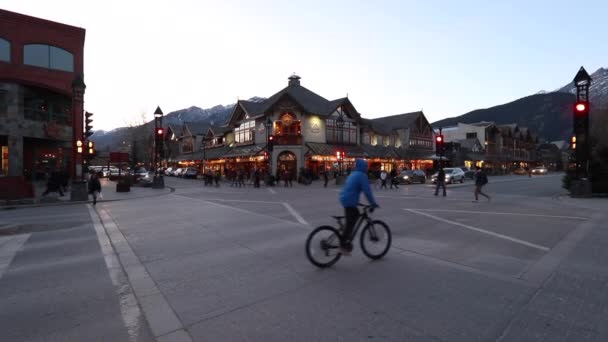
[356,183]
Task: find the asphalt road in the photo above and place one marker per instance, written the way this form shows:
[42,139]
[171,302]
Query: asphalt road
[228,264]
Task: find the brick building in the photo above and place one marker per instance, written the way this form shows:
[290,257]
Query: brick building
[40,62]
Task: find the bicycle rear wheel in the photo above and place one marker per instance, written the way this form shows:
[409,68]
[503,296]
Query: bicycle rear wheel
[323,246]
[376,239]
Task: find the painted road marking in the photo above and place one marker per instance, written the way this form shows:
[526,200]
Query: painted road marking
[117,252]
[483,231]
[295,214]
[503,213]
[131,315]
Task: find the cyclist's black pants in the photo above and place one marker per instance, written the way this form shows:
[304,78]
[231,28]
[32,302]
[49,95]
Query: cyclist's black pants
[351,214]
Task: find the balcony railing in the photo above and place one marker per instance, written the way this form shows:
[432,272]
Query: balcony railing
[288,140]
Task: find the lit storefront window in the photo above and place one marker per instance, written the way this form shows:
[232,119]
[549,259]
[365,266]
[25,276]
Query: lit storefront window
[244,133]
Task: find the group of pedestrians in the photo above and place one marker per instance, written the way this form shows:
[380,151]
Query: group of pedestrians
[481,179]
[392,177]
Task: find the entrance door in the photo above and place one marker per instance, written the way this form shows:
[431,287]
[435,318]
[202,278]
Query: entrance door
[286,160]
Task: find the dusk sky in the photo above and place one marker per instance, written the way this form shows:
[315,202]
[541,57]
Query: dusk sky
[391,57]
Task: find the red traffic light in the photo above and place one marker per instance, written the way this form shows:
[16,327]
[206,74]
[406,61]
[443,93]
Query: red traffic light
[159,131]
[580,107]
[271,137]
[439,138]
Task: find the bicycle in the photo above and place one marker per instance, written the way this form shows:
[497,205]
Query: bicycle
[375,233]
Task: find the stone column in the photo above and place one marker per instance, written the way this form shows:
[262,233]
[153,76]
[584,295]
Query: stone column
[15,155]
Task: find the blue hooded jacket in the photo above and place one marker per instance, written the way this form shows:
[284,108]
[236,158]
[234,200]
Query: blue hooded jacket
[356,183]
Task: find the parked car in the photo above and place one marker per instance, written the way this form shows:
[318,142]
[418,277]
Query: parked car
[178,172]
[168,171]
[411,176]
[468,173]
[142,175]
[541,170]
[191,172]
[452,175]
[115,172]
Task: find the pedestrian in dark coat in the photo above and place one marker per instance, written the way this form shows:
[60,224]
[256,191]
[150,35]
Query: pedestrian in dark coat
[325,178]
[94,187]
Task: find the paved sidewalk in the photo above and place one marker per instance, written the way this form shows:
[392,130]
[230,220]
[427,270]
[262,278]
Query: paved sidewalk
[108,192]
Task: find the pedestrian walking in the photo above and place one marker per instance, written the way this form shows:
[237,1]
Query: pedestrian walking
[394,181]
[440,182]
[94,187]
[256,178]
[383,176]
[325,178]
[481,179]
[218,175]
[241,176]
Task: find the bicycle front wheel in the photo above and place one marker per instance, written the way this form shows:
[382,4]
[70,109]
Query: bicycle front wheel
[376,239]
[323,246]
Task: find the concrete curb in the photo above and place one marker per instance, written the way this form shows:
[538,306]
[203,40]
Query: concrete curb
[62,203]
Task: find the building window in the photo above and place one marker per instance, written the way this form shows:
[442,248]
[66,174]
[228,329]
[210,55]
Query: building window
[244,133]
[188,145]
[5,50]
[46,56]
[44,105]
[349,132]
[472,135]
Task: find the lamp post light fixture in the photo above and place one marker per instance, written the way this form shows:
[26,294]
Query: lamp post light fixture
[159,181]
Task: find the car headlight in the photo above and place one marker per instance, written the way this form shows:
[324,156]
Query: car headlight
[406,177]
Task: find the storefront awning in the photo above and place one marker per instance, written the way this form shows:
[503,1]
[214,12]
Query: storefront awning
[352,151]
[212,153]
[245,151]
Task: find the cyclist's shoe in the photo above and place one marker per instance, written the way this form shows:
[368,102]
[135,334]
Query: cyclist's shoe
[346,249]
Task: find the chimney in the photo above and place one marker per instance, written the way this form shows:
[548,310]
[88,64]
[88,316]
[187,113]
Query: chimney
[294,80]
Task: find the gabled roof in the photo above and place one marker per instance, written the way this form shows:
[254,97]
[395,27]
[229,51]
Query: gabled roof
[197,128]
[219,130]
[386,125]
[309,101]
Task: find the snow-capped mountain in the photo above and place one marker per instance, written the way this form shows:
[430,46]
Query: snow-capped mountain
[598,92]
[217,115]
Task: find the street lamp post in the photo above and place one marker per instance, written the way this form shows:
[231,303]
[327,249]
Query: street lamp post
[204,145]
[79,185]
[159,182]
[268,126]
[340,125]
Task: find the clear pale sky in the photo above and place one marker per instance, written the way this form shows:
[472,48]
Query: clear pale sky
[445,57]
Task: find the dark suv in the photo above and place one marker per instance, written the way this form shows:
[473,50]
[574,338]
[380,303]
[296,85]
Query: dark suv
[411,176]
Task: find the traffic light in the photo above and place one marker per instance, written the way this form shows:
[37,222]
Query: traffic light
[573,142]
[270,143]
[338,154]
[87,125]
[159,132]
[439,144]
[91,149]
[265,155]
[581,108]
[79,146]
